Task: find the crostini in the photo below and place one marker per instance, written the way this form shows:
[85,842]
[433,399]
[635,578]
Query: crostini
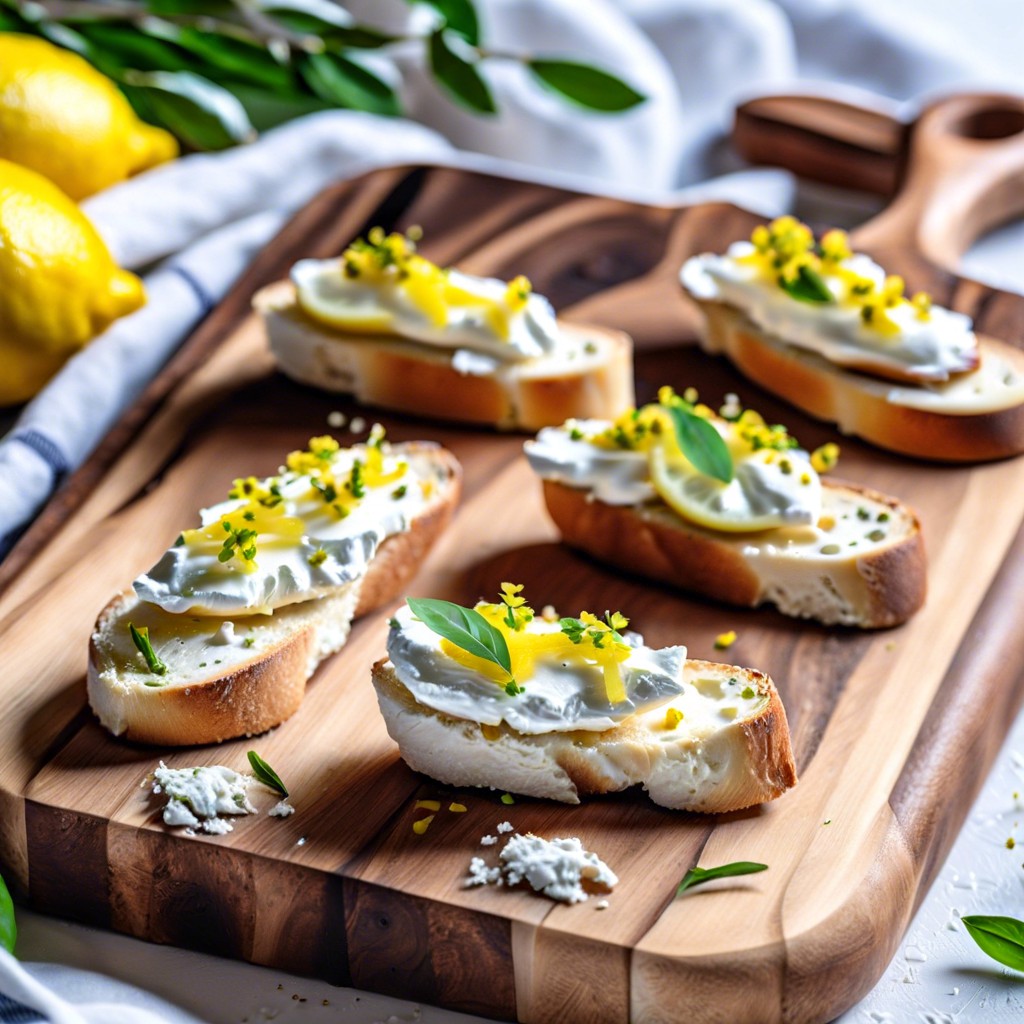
[728,507]
[386,325]
[828,331]
[496,696]
[219,637]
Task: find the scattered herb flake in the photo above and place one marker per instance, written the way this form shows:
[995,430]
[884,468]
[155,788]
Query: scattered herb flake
[265,774]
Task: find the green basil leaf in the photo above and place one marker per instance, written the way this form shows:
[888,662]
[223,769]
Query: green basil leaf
[459,16]
[266,774]
[199,112]
[133,49]
[459,76]
[698,876]
[209,8]
[586,86]
[238,58]
[357,37]
[10,22]
[464,627]
[8,929]
[1002,938]
[326,20]
[808,286]
[701,444]
[345,83]
[267,109]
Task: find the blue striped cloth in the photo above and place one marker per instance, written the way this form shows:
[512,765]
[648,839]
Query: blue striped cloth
[16,1013]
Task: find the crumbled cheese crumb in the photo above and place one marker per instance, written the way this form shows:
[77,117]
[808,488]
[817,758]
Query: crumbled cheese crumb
[336,419]
[358,425]
[481,874]
[504,826]
[281,809]
[557,868]
[196,797]
[601,905]
[488,840]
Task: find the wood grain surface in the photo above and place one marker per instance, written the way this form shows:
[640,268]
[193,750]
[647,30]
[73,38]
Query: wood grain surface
[893,731]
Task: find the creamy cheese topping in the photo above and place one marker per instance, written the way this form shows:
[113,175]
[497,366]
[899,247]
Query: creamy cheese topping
[560,694]
[316,527]
[864,320]
[623,463]
[197,797]
[381,286]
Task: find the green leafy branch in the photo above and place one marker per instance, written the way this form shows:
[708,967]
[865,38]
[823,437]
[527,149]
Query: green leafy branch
[215,73]
[8,930]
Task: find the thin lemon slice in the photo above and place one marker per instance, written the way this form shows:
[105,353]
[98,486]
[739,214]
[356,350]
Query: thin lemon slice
[763,493]
[331,299]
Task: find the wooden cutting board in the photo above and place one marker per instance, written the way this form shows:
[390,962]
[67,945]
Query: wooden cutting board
[893,731]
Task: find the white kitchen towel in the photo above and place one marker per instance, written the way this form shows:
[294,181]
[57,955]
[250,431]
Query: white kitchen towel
[27,995]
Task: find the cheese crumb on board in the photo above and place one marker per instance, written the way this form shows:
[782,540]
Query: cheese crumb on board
[504,826]
[281,809]
[558,868]
[197,797]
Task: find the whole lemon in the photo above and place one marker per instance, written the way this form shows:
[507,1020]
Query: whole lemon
[59,285]
[62,118]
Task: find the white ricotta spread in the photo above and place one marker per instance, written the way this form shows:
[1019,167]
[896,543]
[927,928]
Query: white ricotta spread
[386,307]
[197,797]
[930,349]
[558,868]
[782,488]
[560,696]
[191,578]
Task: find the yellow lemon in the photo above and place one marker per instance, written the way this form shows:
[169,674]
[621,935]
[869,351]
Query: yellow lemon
[59,285]
[62,118]
[762,494]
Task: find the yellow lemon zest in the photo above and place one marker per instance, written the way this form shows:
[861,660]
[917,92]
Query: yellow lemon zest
[824,458]
[673,717]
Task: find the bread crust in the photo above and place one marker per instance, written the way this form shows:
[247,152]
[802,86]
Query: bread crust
[851,401]
[740,765]
[418,379]
[268,688]
[662,546]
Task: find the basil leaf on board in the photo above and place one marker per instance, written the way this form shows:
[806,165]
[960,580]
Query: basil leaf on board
[464,627]
[265,774]
[8,929]
[345,83]
[1002,938]
[585,85]
[698,876]
[202,114]
[459,76]
[701,444]
[809,286]
[134,49]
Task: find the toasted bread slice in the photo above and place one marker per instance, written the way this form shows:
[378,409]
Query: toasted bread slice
[715,767]
[218,686]
[415,378]
[973,417]
[879,582]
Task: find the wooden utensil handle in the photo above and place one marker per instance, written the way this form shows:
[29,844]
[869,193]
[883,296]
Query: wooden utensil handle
[956,173]
[824,138]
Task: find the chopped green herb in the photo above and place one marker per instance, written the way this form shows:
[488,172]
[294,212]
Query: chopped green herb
[507,798]
[576,434]
[807,286]
[883,517]
[863,513]
[393,622]
[698,876]
[748,692]
[399,492]
[249,641]
[265,774]
[140,637]
[876,535]
[317,558]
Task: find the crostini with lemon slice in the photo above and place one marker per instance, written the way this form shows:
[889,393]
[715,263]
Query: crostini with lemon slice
[558,708]
[828,330]
[218,638]
[724,505]
[391,328]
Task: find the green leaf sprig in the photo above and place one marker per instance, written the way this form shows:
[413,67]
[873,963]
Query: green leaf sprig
[698,876]
[807,286]
[140,637]
[1002,938]
[701,443]
[8,929]
[214,73]
[265,774]
[469,631]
